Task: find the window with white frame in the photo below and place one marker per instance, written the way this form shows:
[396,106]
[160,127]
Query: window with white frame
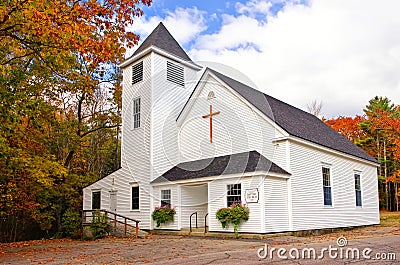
[234,194]
[357,187]
[326,175]
[165,197]
[137,73]
[96,199]
[135,198]
[136,113]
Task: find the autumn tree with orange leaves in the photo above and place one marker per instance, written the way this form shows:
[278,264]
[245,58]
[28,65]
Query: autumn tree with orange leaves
[60,93]
[378,133]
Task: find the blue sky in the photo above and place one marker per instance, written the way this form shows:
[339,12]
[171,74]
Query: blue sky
[338,52]
[214,9]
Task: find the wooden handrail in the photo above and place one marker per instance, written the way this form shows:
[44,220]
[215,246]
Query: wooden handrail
[115,219]
[118,215]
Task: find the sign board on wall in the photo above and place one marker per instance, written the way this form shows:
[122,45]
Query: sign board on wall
[251,196]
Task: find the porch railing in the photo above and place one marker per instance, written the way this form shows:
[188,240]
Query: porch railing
[205,223]
[190,222]
[88,215]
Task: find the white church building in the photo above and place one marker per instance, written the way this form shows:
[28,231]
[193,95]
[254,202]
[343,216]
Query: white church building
[199,139]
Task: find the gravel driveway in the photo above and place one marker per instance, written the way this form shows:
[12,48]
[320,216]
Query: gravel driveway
[158,249]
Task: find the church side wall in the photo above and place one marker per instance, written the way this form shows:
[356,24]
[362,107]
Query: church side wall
[117,182]
[280,155]
[276,205]
[309,211]
[217,190]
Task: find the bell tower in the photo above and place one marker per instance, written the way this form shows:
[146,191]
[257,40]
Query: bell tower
[157,80]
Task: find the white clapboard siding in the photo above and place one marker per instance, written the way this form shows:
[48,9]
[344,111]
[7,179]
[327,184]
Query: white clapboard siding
[236,129]
[309,211]
[217,190]
[193,199]
[174,203]
[168,100]
[121,183]
[280,154]
[276,205]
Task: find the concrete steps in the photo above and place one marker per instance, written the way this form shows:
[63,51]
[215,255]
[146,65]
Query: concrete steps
[199,232]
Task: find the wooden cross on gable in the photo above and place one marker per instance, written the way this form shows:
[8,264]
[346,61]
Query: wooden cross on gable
[210,116]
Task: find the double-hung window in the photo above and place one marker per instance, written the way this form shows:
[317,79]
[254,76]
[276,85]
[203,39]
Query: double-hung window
[357,187]
[234,194]
[135,198]
[136,113]
[326,175]
[165,197]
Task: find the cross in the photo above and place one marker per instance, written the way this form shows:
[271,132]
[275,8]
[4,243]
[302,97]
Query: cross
[210,116]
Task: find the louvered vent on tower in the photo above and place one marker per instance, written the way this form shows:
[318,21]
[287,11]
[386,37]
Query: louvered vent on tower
[175,73]
[137,72]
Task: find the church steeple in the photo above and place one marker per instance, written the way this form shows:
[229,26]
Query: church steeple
[162,39]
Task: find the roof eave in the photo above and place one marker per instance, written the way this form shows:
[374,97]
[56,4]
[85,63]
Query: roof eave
[324,148]
[150,49]
[227,176]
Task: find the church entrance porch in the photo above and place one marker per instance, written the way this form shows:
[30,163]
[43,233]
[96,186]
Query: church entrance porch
[193,199]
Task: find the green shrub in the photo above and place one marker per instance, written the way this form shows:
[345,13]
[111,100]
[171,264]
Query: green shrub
[100,225]
[163,214]
[234,214]
[72,224]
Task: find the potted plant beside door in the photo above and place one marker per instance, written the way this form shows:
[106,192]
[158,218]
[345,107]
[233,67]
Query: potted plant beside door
[163,214]
[234,214]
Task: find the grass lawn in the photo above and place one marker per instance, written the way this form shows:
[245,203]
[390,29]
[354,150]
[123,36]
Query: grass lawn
[390,218]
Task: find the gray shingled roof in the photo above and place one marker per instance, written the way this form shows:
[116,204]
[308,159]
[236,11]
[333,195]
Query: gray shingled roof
[295,121]
[162,39]
[223,165]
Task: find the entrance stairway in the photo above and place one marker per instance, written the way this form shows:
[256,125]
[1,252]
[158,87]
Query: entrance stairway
[119,225]
[200,231]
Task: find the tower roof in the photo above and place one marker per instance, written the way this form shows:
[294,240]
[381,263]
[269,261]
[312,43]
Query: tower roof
[162,39]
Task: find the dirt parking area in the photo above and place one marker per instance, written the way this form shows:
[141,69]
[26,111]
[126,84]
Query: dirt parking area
[158,249]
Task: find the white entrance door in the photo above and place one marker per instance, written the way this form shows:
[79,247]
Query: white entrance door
[113,201]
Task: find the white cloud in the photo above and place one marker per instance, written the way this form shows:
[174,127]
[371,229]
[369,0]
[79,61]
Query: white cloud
[235,32]
[183,23]
[253,7]
[339,52]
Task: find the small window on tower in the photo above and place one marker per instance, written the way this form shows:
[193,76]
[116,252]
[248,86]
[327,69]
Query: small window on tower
[137,73]
[136,113]
[175,73]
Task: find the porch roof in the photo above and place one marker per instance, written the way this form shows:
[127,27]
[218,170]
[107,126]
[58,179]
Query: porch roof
[223,165]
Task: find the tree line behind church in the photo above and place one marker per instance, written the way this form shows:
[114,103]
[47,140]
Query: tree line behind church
[60,98]
[378,133]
